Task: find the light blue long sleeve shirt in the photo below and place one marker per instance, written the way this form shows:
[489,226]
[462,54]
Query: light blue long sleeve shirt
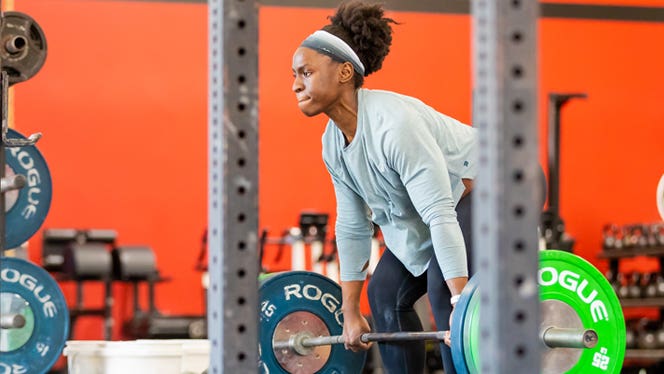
[403,170]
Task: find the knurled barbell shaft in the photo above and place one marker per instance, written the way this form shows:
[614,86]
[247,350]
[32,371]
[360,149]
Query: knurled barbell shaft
[376,337]
[553,337]
[12,321]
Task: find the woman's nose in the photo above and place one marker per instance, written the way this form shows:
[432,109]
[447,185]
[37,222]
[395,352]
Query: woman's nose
[297,85]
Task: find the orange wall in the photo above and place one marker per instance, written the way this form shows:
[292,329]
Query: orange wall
[121,101]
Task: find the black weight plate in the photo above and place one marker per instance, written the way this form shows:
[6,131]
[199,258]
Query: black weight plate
[23,49]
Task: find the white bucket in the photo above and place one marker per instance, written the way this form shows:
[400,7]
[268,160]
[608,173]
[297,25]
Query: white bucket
[195,356]
[195,353]
[123,357]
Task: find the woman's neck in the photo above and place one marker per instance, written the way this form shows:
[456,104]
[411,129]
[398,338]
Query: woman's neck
[344,114]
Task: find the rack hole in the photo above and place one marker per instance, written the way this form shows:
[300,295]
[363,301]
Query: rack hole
[517,106]
[519,211]
[517,71]
[518,280]
[518,176]
[517,141]
[519,246]
[520,316]
[520,351]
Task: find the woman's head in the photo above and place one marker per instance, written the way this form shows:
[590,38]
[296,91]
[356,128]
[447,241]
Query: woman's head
[366,30]
[339,56]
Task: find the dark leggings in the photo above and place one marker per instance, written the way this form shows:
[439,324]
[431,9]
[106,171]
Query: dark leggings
[393,291]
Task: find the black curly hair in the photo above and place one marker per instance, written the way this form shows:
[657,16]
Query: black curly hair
[366,30]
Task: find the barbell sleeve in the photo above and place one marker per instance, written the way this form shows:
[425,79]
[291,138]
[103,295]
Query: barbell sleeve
[12,321]
[15,182]
[556,337]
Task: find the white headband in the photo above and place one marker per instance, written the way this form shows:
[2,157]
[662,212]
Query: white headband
[333,46]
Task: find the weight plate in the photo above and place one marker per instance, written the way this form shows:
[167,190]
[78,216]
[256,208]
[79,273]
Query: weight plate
[262,277]
[573,281]
[458,326]
[284,294]
[24,46]
[660,196]
[26,213]
[50,317]
[573,294]
[471,328]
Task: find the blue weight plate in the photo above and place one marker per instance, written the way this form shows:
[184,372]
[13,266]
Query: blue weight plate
[461,312]
[50,317]
[284,294]
[31,206]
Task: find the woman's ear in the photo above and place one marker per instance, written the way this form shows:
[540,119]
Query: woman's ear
[346,72]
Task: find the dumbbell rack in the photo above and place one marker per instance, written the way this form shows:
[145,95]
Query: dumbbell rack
[614,256]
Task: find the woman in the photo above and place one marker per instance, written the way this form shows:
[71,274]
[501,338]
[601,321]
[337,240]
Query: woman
[394,161]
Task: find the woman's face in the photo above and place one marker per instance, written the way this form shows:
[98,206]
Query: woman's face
[316,81]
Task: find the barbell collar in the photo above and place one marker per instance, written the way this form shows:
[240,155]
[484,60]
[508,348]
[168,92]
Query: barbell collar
[557,337]
[12,321]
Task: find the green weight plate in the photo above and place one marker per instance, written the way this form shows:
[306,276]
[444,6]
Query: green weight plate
[458,334]
[471,333]
[573,294]
[570,280]
[262,277]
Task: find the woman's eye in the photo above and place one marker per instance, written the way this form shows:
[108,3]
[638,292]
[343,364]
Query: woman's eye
[307,74]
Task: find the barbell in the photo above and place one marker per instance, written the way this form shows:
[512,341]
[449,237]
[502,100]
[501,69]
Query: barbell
[552,337]
[582,327]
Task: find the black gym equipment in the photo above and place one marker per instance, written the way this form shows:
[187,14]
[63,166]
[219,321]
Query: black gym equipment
[137,265]
[24,49]
[552,224]
[82,256]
